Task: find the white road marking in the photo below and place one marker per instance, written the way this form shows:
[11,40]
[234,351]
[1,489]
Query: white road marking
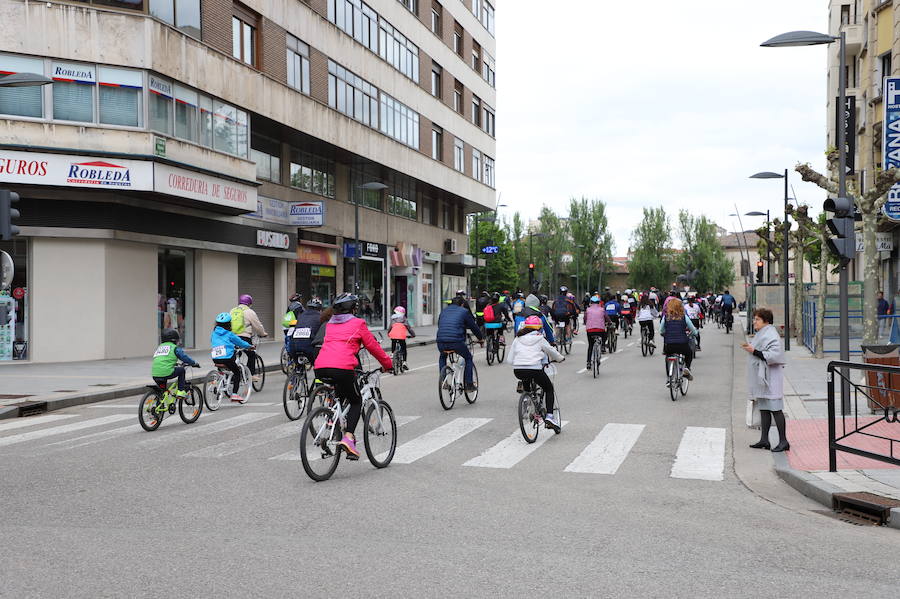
[582,370]
[116,406]
[701,454]
[294,454]
[65,428]
[630,344]
[157,439]
[89,439]
[436,439]
[33,420]
[511,450]
[608,450]
[421,367]
[248,441]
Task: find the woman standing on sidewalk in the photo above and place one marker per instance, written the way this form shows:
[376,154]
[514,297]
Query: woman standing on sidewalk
[765,378]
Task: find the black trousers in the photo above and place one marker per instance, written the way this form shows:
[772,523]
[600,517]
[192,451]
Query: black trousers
[401,343]
[251,356]
[346,390]
[231,364]
[680,348]
[178,372]
[648,324]
[539,376]
[592,338]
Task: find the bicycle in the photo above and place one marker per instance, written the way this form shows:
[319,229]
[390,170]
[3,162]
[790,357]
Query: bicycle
[398,361]
[160,401]
[564,340]
[612,338]
[627,327]
[596,356]
[295,395]
[729,322]
[452,381]
[322,431]
[285,360]
[495,349]
[677,383]
[217,385]
[646,346]
[532,411]
[260,367]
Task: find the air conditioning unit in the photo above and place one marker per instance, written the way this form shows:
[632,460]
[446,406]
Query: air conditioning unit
[450,246]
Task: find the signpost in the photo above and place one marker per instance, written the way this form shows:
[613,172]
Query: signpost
[891,142]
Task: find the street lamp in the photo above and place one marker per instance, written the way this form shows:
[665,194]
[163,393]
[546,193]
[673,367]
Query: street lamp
[24,80]
[768,242]
[370,186]
[812,38]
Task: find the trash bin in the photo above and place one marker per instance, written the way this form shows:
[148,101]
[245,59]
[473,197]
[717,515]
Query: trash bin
[884,387]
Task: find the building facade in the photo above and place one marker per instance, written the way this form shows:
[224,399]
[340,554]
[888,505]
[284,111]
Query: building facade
[188,151]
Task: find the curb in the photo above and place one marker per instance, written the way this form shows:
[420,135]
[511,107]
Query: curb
[79,398]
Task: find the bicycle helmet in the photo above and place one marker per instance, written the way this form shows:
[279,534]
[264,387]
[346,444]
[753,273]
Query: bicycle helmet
[315,303]
[223,317]
[484,293]
[532,322]
[595,299]
[563,290]
[543,298]
[495,296]
[400,310]
[295,298]
[345,303]
[246,299]
[460,293]
[170,335]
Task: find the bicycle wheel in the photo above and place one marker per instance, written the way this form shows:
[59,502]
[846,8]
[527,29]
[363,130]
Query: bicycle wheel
[567,344]
[489,354]
[319,444]
[685,383]
[380,433]
[211,395]
[650,347]
[190,407]
[285,360]
[471,396]
[528,418]
[396,363]
[645,345]
[295,395]
[261,373]
[245,387]
[673,381]
[149,418]
[501,351]
[447,395]
[613,342]
[595,358]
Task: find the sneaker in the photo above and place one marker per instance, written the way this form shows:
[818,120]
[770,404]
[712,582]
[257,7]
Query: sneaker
[551,423]
[520,387]
[502,341]
[652,344]
[687,374]
[180,394]
[404,368]
[349,446]
[589,365]
[237,398]
[255,378]
[471,388]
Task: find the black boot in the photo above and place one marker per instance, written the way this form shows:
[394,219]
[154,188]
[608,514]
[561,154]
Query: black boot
[761,445]
[765,421]
[783,444]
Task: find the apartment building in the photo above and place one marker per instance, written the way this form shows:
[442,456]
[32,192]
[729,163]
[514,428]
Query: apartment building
[188,151]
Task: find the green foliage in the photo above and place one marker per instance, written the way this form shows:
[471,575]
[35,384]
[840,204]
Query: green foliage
[703,254]
[651,260]
[500,269]
[589,227]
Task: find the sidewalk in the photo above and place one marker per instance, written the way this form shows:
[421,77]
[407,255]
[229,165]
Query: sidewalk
[25,387]
[805,465]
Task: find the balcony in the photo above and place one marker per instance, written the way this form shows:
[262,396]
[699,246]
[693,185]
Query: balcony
[855,37]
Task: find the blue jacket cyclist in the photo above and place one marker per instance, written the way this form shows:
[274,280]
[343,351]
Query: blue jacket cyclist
[223,343]
[451,335]
[299,337]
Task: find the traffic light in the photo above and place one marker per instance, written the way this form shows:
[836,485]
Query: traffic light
[8,214]
[759,271]
[531,275]
[843,242]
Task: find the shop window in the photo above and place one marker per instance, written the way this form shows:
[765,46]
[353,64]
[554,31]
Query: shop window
[21,101]
[120,96]
[14,304]
[206,121]
[160,104]
[175,297]
[73,92]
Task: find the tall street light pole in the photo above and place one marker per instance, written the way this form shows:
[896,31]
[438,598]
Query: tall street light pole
[531,236]
[812,38]
[370,186]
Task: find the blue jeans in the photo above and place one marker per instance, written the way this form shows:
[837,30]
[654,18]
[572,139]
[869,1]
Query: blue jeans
[463,351]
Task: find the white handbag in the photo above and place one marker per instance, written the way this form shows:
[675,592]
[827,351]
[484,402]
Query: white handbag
[752,414]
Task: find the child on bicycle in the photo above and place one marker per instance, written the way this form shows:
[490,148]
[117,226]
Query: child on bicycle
[299,341]
[647,314]
[223,343]
[399,331]
[344,335]
[595,322]
[528,354]
[674,329]
[165,359]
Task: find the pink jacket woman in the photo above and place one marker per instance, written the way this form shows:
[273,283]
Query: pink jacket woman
[344,334]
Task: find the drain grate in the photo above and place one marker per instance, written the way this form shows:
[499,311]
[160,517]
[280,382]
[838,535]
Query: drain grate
[30,408]
[846,517]
[865,506]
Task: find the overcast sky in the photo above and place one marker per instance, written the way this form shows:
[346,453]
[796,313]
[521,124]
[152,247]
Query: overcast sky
[657,103]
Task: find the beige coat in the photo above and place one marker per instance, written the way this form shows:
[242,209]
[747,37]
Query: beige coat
[252,325]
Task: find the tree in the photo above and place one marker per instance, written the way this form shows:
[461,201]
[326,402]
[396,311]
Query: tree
[515,232]
[499,271]
[589,227]
[703,258]
[651,255]
[548,249]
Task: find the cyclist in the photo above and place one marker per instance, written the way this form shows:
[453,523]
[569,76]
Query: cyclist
[495,318]
[399,331]
[518,304]
[545,306]
[528,354]
[534,307]
[564,310]
[728,305]
[165,359]
[596,321]
[613,310]
[694,312]
[223,341]
[451,335]
[627,312]
[461,294]
[483,300]
[305,328]
[654,297]
[674,329]
[647,313]
[345,334]
[245,324]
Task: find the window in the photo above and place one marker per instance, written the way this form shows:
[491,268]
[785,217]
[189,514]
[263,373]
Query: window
[311,173]
[845,14]
[297,64]
[120,96]
[411,5]
[399,121]
[266,153]
[459,155]
[401,199]
[476,164]
[476,56]
[206,121]
[243,34]
[175,288]
[186,117]
[436,80]
[73,92]
[368,198]
[21,101]
[436,13]
[447,221]
[476,110]
[487,69]
[352,95]
[437,142]
[489,171]
[160,104]
[457,38]
[489,121]
[885,69]
[457,96]
[476,8]
[401,53]
[487,16]
[181,14]
[428,211]
[356,19]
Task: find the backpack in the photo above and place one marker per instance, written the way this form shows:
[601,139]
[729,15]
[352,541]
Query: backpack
[488,313]
[237,319]
[560,307]
[518,306]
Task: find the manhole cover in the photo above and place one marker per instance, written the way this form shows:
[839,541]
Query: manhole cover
[9,396]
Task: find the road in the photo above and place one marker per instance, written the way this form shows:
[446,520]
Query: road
[93,506]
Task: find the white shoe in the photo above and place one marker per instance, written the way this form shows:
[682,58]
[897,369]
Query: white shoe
[687,374]
[550,422]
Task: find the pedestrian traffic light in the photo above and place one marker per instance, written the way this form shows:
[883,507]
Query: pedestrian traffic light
[759,271]
[8,214]
[843,242]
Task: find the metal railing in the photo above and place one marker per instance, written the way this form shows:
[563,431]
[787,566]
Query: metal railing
[880,394]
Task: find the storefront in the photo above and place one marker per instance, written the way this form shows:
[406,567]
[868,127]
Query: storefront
[14,301]
[316,271]
[372,287]
[412,282]
[454,275]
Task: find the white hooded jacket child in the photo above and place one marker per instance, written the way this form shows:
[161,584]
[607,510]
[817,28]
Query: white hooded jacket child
[530,351]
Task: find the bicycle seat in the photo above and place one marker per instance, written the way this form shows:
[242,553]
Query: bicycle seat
[327,380]
[449,351]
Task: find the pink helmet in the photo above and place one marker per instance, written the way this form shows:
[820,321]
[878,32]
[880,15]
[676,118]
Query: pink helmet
[532,322]
[400,309]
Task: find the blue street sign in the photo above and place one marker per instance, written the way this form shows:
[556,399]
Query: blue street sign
[490,249]
[891,142]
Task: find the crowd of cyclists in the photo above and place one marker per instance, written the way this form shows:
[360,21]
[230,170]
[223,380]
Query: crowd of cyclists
[331,339]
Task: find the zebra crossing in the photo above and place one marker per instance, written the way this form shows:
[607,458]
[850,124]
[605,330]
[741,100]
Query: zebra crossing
[700,455]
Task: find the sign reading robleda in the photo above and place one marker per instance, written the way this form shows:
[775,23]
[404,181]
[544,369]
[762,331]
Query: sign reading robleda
[307,214]
[891,142]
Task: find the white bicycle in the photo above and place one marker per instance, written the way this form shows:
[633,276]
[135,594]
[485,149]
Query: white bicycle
[217,384]
[451,383]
